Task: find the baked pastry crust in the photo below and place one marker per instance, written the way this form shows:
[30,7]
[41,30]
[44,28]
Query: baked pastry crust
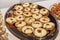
[33,6]
[37,16]
[49,26]
[40,32]
[10,20]
[20,24]
[27,29]
[18,7]
[35,10]
[44,19]
[29,20]
[44,11]
[18,12]
[19,18]
[26,4]
[27,13]
[36,24]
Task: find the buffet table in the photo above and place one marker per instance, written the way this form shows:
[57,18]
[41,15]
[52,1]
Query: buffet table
[46,4]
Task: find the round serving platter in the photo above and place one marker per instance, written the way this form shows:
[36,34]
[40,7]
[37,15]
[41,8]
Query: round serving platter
[21,36]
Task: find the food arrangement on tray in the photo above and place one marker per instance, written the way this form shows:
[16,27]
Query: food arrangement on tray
[31,21]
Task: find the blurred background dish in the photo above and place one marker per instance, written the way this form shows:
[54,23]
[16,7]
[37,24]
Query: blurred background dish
[3,34]
[55,9]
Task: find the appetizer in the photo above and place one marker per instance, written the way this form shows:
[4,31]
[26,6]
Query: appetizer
[10,20]
[18,7]
[44,19]
[29,20]
[33,6]
[37,16]
[44,11]
[26,4]
[40,32]
[27,29]
[20,24]
[27,9]
[49,26]
[27,13]
[35,10]
[20,17]
[18,12]
[36,24]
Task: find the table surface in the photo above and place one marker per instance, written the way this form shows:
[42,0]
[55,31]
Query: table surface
[46,4]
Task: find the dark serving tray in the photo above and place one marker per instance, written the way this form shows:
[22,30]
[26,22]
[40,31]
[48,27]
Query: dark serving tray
[21,36]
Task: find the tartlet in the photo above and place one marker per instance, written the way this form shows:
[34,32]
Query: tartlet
[10,20]
[40,32]
[20,24]
[33,6]
[27,29]
[49,26]
[27,13]
[29,20]
[18,12]
[18,7]
[44,19]
[36,16]
[36,24]
[26,4]
[44,11]
[19,17]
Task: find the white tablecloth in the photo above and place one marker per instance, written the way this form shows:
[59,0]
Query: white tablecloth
[46,4]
